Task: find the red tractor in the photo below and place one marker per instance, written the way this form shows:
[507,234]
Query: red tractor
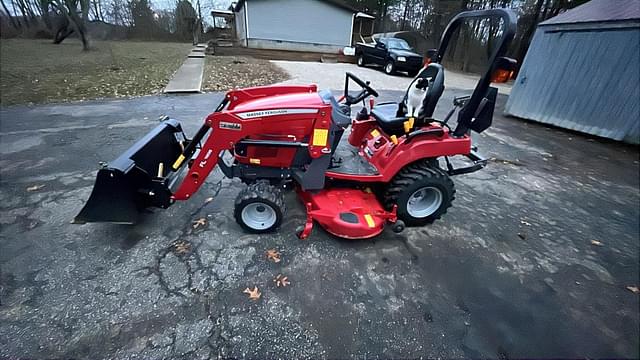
[291,137]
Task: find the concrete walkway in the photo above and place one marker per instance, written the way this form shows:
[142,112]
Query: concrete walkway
[188,78]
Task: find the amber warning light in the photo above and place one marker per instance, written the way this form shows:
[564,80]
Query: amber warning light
[504,69]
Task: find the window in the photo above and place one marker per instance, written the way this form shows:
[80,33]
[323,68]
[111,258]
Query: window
[397,44]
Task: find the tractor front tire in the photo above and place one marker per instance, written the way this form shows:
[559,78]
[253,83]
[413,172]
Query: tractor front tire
[423,193]
[260,208]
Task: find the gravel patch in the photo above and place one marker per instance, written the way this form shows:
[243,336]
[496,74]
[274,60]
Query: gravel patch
[222,73]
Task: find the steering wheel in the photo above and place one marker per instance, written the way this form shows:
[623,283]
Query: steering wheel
[366,90]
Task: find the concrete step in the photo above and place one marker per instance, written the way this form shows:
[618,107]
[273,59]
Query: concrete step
[196,55]
[329,59]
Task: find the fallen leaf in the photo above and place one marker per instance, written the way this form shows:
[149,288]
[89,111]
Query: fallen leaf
[199,222]
[35,187]
[208,200]
[633,289]
[273,255]
[281,281]
[182,247]
[253,294]
[596,243]
[522,236]
[524,222]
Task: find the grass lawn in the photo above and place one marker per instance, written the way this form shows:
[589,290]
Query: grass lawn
[37,71]
[222,73]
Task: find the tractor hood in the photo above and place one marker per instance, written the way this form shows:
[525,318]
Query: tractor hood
[284,101]
[406,53]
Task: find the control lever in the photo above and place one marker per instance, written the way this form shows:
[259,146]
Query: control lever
[458,101]
[461,100]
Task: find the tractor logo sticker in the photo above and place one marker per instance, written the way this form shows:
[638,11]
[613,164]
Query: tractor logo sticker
[263,113]
[206,157]
[230,125]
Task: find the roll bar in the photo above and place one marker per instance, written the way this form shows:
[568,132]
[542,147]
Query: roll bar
[509,29]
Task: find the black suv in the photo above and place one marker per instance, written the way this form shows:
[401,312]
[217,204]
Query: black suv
[392,53]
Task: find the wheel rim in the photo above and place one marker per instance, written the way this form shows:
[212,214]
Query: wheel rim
[424,202]
[360,60]
[389,67]
[259,216]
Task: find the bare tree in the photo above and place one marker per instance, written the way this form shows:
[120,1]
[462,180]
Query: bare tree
[96,10]
[70,16]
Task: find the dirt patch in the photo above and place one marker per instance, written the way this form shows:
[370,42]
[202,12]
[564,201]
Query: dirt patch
[37,71]
[222,73]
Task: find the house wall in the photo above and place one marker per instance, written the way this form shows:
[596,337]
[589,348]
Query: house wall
[582,77]
[241,31]
[304,25]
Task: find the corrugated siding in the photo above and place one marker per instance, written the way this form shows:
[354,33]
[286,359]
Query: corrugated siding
[587,81]
[305,21]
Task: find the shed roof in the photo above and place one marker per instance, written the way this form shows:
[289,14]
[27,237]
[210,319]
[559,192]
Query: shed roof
[338,3]
[598,11]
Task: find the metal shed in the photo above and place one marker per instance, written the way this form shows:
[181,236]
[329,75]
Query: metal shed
[582,71]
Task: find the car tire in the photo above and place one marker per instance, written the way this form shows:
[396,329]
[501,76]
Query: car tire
[422,191]
[360,62]
[390,67]
[259,208]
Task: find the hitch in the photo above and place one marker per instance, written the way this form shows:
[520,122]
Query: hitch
[478,160]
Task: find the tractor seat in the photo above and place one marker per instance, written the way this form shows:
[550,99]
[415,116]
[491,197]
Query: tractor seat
[386,114]
[391,116]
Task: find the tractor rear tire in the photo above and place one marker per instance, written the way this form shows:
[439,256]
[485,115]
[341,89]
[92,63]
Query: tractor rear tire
[259,208]
[423,193]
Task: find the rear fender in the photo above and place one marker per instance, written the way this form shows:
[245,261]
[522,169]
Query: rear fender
[390,158]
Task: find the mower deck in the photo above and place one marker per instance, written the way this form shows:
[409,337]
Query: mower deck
[345,212]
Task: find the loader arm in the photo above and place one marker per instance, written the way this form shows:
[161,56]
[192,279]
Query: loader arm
[225,130]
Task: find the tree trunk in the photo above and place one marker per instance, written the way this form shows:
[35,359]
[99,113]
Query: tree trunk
[62,34]
[492,29]
[529,31]
[404,15]
[11,19]
[71,13]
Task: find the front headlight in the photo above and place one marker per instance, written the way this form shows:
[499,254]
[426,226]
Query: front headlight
[402,58]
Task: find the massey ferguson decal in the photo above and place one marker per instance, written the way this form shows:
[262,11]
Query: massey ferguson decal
[263,113]
[230,125]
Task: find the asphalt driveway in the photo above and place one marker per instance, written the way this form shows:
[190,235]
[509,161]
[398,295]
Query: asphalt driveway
[510,271]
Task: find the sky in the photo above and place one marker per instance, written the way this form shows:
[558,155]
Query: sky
[207,6]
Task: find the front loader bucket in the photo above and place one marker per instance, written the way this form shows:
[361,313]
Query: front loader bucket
[137,179]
